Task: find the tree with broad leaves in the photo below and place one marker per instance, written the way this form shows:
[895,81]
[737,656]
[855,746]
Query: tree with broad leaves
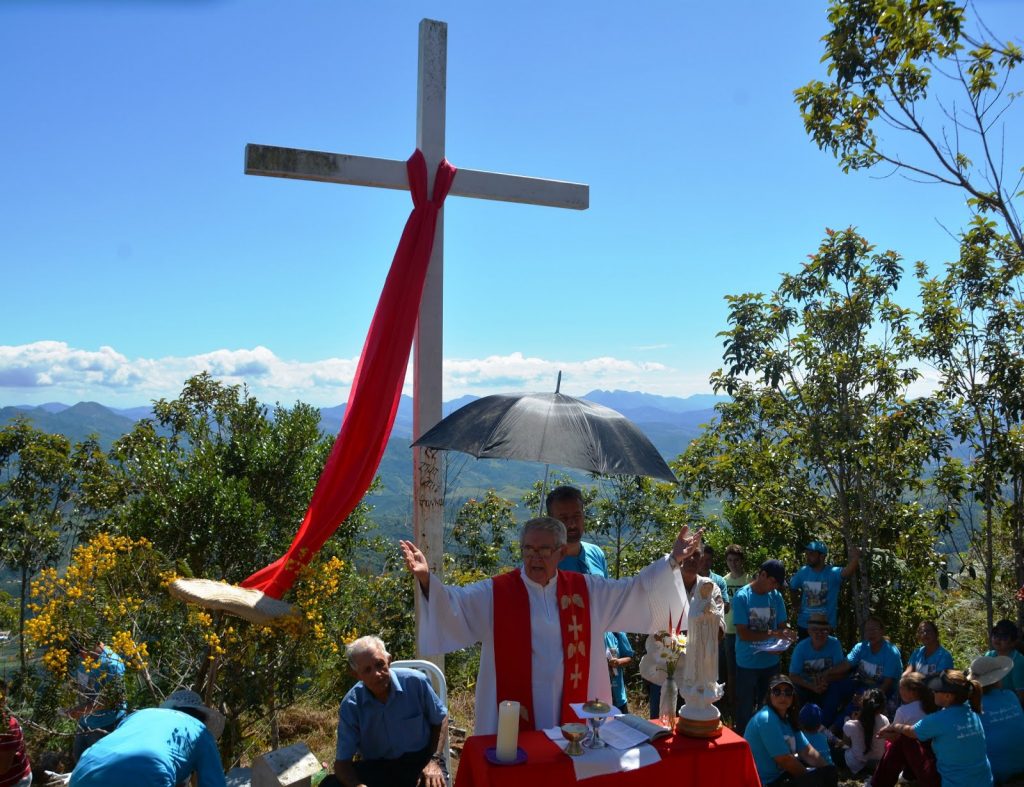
[38,477]
[916,87]
[821,437]
[972,332]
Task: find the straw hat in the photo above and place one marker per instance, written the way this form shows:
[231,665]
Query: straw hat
[186,699]
[253,605]
[990,669]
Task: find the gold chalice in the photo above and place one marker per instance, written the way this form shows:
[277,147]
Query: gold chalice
[574,733]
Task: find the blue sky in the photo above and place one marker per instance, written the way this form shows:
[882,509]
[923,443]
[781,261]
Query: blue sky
[135,251]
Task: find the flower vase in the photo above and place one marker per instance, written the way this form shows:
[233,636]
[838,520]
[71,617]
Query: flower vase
[669,702]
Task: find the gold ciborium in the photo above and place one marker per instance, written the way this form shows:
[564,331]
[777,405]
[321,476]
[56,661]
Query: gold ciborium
[574,733]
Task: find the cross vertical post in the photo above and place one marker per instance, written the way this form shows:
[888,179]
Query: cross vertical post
[427,483]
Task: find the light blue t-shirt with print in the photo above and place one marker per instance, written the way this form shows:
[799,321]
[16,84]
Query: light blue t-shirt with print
[872,668]
[771,736]
[940,660]
[808,662]
[1003,720]
[819,592]
[758,612]
[958,741]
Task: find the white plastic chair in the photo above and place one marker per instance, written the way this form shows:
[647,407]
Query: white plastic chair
[440,685]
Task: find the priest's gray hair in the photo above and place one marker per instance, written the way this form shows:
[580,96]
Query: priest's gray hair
[545,524]
[367,644]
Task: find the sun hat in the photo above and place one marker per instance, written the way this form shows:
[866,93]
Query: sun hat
[186,699]
[818,619]
[990,669]
[775,570]
[252,605]
[817,546]
[810,715]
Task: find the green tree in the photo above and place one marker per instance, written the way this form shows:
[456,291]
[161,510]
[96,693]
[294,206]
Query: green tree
[37,482]
[822,437]
[639,517]
[480,539]
[884,105]
[217,482]
[972,320]
[917,87]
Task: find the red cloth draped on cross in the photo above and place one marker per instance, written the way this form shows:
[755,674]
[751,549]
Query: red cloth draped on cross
[376,389]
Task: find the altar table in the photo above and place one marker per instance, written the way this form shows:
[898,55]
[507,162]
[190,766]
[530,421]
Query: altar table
[725,761]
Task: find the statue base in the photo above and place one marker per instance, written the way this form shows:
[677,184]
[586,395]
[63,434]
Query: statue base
[698,728]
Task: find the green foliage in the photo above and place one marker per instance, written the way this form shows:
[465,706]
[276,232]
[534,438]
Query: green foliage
[884,58]
[481,538]
[640,519]
[972,332]
[38,473]
[224,466]
[821,438]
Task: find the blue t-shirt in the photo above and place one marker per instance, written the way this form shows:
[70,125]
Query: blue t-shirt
[819,592]
[619,641]
[940,660]
[819,740]
[958,741]
[155,747]
[1003,720]
[1015,680]
[107,674]
[758,612]
[872,668]
[771,736]
[808,662]
[590,560]
[387,730]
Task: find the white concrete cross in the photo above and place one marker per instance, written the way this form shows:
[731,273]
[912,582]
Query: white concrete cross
[428,508]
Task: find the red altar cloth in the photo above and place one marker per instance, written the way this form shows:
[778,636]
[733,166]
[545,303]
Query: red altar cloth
[724,761]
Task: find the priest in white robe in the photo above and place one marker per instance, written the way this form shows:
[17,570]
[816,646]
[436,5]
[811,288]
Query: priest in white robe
[564,647]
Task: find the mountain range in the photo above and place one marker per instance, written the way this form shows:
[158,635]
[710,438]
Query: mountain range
[669,422]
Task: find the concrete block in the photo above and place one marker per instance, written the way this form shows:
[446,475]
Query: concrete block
[292,766]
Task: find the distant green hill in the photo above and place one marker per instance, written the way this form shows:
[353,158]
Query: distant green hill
[670,423]
[76,422]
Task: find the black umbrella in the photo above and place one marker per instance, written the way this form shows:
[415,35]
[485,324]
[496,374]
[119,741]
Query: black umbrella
[552,428]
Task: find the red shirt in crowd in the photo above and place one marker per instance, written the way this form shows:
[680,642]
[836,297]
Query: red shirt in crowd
[12,744]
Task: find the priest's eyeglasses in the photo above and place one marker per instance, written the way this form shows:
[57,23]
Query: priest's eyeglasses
[544,552]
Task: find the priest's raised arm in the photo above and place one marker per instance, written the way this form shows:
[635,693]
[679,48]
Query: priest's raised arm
[542,629]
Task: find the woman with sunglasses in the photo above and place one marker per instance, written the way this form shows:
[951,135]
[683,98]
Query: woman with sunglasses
[781,752]
[1003,639]
[955,732]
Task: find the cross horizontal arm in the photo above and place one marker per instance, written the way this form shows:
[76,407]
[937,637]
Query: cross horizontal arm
[277,162]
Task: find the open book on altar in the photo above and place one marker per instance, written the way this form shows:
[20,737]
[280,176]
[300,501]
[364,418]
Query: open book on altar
[649,730]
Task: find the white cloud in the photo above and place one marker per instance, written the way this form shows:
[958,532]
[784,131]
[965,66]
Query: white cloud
[47,370]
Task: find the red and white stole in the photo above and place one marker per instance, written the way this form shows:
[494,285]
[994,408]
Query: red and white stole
[512,642]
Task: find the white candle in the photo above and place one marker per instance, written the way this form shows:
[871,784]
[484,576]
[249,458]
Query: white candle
[508,730]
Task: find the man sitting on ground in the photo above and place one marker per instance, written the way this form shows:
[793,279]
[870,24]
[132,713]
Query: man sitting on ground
[393,719]
[157,747]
